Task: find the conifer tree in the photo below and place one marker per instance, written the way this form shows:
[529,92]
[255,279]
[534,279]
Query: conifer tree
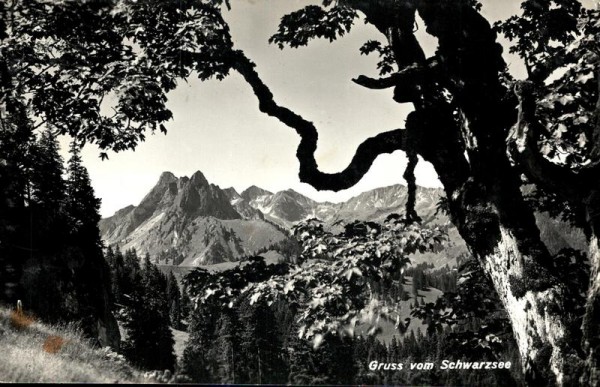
[331,363]
[47,184]
[186,304]
[17,143]
[260,345]
[84,253]
[82,205]
[115,263]
[174,301]
[150,341]
[197,363]
[43,234]
[225,350]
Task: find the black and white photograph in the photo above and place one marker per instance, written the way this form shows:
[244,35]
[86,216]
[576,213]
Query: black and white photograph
[300,192]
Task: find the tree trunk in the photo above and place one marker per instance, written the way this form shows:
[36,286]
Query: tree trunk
[536,313]
[501,233]
[591,321]
[487,206]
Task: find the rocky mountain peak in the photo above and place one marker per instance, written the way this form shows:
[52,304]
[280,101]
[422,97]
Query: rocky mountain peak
[253,192]
[167,177]
[197,197]
[232,193]
[295,196]
[198,179]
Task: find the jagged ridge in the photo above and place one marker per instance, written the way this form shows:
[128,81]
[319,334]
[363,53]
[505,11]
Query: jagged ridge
[207,224]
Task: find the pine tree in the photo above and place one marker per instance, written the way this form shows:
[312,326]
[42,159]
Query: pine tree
[197,363]
[393,349]
[174,300]
[156,286]
[92,276]
[334,360]
[131,268]
[260,345]
[415,285]
[46,198]
[186,305]
[225,349]
[41,235]
[47,184]
[331,363]
[150,341]
[82,205]
[115,263]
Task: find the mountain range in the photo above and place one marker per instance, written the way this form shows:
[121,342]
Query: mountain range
[201,224]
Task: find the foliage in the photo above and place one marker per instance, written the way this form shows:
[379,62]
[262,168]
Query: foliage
[49,241]
[224,287]
[542,22]
[129,52]
[330,288]
[556,207]
[475,301]
[338,359]
[298,28]
[387,62]
[558,41]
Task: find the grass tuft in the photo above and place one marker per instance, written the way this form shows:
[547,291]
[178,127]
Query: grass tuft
[53,344]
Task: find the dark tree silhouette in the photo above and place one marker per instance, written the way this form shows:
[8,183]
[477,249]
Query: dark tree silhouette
[149,341]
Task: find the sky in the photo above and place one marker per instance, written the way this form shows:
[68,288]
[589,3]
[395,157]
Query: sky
[218,129]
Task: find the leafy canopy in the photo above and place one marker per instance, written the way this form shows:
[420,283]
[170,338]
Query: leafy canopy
[105,78]
[330,287]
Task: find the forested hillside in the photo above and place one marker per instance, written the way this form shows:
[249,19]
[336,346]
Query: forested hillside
[50,248]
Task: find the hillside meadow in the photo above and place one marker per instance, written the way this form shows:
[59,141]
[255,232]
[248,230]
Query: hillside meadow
[33,352]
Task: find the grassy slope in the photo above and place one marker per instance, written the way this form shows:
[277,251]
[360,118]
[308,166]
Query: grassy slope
[33,352]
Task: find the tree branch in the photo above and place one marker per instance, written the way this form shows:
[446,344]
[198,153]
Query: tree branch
[366,153]
[413,74]
[411,181]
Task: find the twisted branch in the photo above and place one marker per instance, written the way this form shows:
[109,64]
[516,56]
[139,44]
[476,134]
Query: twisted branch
[411,181]
[366,153]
